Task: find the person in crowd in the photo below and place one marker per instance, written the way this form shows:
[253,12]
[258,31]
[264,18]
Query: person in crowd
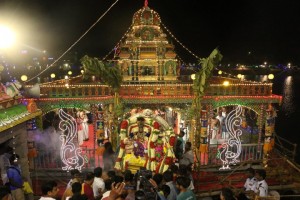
[15,178]
[166,191]
[158,178]
[108,157]
[129,185]
[111,174]
[76,192]
[222,120]
[49,190]
[168,179]
[182,184]
[87,188]
[179,145]
[83,127]
[261,186]
[250,183]
[75,177]
[174,168]
[140,195]
[116,191]
[108,187]
[227,194]
[69,192]
[5,163]
[98,185]
[251,180]
[186,172]
[215,127]
[5,193]
[188,156]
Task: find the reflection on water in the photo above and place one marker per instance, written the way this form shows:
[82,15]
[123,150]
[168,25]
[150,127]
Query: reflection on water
[288,105]
[287,84]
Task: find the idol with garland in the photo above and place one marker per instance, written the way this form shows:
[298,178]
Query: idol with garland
[142,144]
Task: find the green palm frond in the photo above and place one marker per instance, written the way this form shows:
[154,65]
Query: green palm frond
[106,72]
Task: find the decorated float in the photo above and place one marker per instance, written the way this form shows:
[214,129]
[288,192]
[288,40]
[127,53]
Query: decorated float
[141,101]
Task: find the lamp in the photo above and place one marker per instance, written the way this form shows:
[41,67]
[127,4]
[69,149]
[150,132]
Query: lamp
[24,78]
[193,76]
[52,75]
[271,76]
[226,83]
[7,37]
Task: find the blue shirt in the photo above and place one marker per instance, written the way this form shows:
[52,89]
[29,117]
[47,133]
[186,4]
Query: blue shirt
[14,173]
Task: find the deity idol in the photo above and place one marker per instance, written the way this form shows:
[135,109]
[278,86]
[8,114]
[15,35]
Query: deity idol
[144,145]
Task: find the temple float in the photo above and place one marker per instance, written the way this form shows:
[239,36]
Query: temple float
[143,98]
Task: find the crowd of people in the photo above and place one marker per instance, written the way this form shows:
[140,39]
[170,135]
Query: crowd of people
[174,184]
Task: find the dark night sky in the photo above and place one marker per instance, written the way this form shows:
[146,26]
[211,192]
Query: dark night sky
[269,29]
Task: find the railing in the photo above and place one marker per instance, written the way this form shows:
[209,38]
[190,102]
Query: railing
[74,91]
[285,147]
[249,153]
[51,160]
[169,89]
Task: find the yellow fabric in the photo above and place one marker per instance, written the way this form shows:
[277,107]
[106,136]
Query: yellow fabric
[26,188]
[203,148]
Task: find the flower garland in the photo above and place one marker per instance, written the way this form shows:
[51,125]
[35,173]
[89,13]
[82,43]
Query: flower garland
[152,162]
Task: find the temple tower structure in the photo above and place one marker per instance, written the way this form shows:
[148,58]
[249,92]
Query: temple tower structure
[146,55]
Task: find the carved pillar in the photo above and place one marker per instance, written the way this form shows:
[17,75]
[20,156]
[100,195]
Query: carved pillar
[137,71]
[161,70]
[203,138]
[269,129]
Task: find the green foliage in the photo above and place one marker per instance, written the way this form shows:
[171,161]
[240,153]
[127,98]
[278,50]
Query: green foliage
[106,72]
[205,72]
[119,109]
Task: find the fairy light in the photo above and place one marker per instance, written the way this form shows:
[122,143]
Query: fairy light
[62,55]
[70,154]
[124,35]
[232,148]
[183,46]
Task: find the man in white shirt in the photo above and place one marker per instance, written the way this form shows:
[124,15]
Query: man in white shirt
[98,184]
[250,184]
[261,187]
[251,180]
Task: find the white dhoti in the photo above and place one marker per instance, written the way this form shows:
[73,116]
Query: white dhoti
[80,137]
[85,130]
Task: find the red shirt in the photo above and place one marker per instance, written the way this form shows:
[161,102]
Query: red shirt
[88,191]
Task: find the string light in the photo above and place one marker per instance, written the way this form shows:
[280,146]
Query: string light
[94,24]
[179,41]
[105,57]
